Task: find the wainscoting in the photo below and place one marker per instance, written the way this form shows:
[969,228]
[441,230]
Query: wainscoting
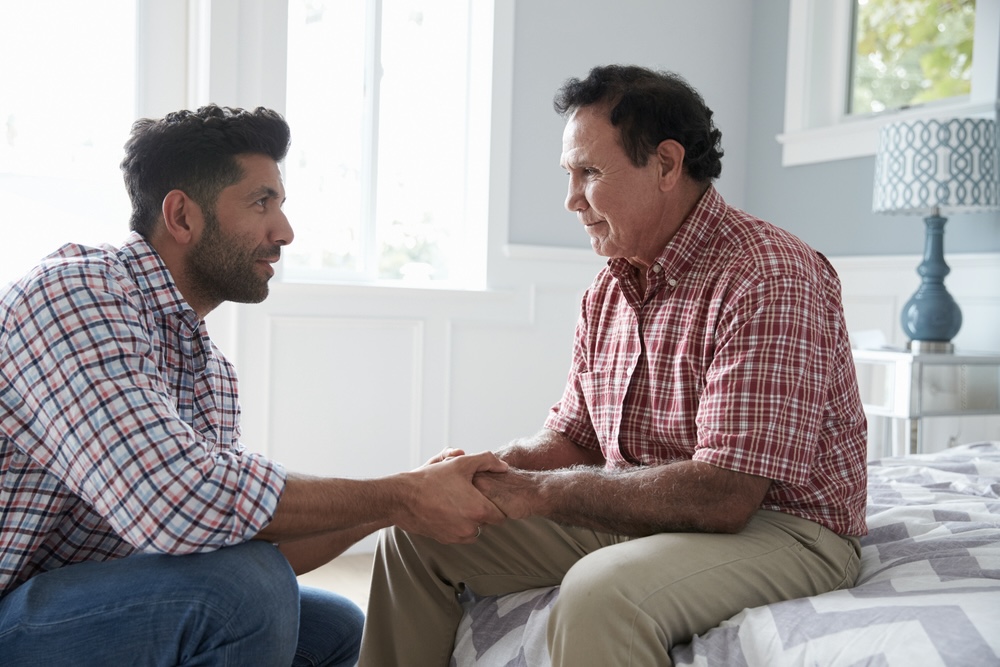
[875,290]
[366,381]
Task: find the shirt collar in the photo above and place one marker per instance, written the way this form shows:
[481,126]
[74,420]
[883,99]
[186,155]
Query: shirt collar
[153,277]
[683,250]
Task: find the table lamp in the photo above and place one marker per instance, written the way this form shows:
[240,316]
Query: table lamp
[930,167]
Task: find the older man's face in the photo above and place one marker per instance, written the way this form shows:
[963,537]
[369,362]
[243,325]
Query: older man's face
[620,205]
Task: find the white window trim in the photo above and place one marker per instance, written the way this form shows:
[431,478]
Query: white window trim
[234,52]
[816,129]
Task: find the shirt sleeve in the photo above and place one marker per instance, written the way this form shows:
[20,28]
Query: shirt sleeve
[85,399]
[762,405]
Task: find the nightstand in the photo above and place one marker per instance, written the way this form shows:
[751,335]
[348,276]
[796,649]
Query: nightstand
[905,388]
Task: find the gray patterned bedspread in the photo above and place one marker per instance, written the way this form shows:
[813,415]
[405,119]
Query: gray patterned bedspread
[928,593]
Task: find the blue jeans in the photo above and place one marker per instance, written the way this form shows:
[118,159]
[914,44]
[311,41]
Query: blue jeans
[235,606]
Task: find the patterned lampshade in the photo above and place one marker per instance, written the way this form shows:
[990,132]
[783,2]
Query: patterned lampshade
[926,165]
[935,167]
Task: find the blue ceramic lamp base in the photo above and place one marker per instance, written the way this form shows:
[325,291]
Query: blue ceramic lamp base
[931,318]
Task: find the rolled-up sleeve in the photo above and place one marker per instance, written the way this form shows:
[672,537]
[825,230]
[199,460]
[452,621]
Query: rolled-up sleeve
[88,399]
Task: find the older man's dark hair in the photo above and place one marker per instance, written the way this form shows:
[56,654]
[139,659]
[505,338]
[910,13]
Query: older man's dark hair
[649,107]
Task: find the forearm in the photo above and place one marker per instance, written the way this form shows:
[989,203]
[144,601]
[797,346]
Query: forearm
[309,553]
[636,502]
[548,450]
[314,507]
[682,496]
[436,500]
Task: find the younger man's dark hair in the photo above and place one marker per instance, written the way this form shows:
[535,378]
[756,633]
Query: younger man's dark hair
[195,151]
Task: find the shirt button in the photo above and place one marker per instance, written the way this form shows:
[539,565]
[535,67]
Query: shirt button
[672,282]
[657,268]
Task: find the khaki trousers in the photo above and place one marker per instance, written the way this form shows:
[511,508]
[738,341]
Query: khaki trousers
[623,601]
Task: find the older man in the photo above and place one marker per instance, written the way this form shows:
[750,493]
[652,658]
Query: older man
[708,452]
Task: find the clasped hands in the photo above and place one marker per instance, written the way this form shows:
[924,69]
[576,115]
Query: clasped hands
[459,494]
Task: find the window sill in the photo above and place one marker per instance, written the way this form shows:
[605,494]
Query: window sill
[819,39]
[859,138]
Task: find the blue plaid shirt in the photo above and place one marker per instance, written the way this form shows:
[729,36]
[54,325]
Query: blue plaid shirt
[119,419]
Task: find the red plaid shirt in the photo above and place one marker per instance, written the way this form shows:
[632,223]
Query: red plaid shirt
[119,420]
[737,355]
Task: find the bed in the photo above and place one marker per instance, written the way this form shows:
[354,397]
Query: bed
[928,593]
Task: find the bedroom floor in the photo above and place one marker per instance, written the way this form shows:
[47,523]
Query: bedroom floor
[348,575]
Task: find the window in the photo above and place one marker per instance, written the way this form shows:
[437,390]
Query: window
[66,114]
[388,102]
[910,52]
[390,169]
[817,125]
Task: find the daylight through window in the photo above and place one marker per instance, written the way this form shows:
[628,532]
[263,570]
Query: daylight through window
[910,52]
[67,104]
[383,158]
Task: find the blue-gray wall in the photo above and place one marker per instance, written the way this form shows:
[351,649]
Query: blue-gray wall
[828,205]
[558,39]
[733,51]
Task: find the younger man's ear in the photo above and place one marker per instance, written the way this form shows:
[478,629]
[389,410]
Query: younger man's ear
[182,217]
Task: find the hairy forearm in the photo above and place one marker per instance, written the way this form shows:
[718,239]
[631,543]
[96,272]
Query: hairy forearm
[548,450]
[634,502]
[682,496]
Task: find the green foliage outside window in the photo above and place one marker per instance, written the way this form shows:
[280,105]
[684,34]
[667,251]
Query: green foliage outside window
[910,52]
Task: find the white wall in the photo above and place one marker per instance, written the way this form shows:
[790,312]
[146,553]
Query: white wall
[362,382]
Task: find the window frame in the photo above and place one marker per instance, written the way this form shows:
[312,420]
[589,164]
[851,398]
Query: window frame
[817,128]
[237,54]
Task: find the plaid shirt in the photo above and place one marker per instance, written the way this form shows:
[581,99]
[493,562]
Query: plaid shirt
[119,421]
[736,355]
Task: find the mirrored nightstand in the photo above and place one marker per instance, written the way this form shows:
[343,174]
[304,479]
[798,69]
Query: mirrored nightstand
[905,388]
